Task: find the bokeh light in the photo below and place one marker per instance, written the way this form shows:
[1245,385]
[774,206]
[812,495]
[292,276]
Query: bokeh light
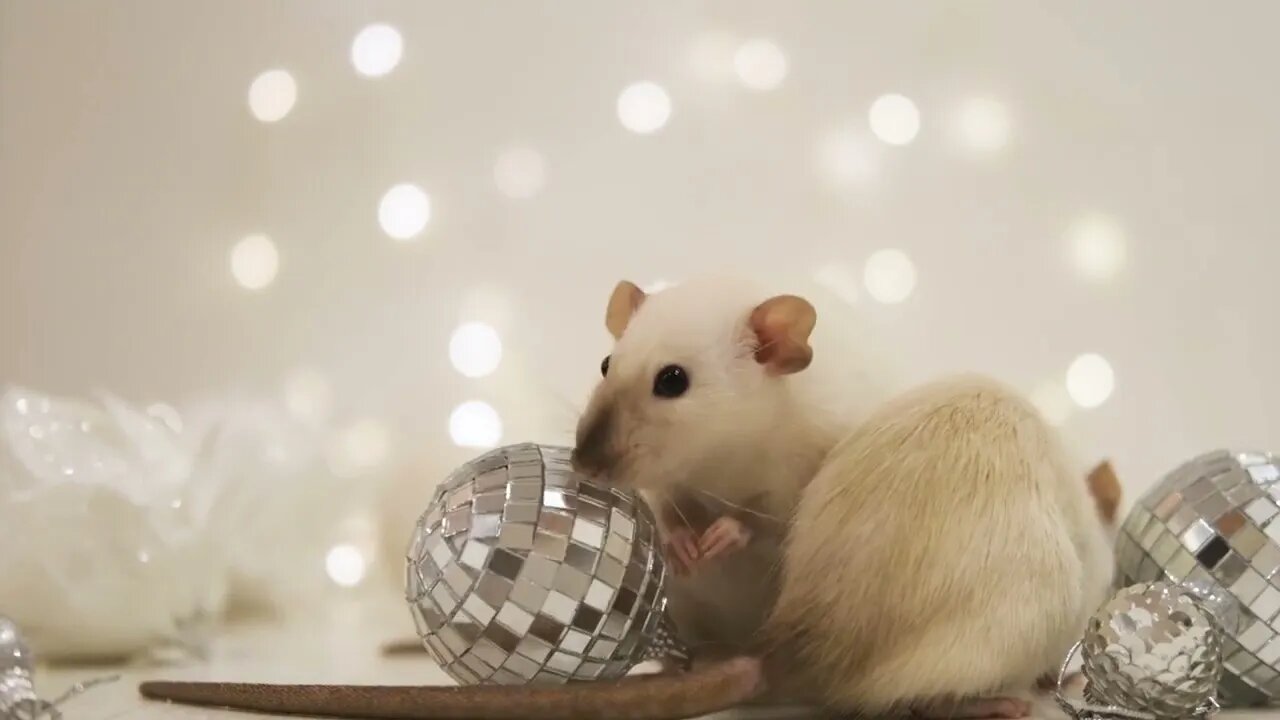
[894,119]
[475,349]
[345,565]
[376,50]
[272,95]
[644,107]
[404,211]
[1096,243]
[308,395]
[760,64]
[1090,380]
[255,262]
[362,446]
[475,424]
[890,276]
[983,124]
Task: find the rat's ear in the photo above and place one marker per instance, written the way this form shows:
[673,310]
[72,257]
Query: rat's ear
[623,304]
[782,325]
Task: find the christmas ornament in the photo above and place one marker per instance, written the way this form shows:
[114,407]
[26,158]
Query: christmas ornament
[18,699]
[1152,651]
[523,571]
[1211,525]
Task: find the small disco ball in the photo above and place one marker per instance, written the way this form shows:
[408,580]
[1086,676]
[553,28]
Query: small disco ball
[523,571]
[1153,648]
[1211,525]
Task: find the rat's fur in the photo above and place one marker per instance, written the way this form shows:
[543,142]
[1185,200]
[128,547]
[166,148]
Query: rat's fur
[946,549]
[742,440]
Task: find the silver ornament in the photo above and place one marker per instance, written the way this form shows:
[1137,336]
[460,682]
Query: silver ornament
[1152,651]
[1211,525]
[18,699]
[523,571]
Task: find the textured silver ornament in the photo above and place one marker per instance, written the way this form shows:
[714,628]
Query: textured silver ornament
[18,699]
[1211,525]
[1151,651]
[523,571]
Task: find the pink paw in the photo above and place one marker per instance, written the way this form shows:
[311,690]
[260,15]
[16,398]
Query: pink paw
[680,550]
[725,536]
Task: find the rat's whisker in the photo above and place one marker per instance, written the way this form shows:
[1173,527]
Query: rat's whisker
[736,506]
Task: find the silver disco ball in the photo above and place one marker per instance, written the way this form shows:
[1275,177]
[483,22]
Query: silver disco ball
[523,571]
[1211,525]
[1153,648]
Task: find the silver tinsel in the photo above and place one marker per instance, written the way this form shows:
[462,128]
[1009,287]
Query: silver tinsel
[523,571]
[1152,651]
[1211,525]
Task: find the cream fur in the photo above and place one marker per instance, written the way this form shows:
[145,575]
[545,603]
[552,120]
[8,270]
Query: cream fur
[946,549]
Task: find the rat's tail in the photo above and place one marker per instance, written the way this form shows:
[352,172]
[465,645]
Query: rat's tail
[712,688]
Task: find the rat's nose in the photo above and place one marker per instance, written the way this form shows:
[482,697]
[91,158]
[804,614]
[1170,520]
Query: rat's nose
[589,461]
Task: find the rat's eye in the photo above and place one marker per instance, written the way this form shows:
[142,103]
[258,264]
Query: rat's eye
[671,381]
[604,366]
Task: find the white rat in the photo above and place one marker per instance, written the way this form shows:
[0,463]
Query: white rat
[698,408]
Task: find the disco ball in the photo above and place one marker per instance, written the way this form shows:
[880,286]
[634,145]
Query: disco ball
[1211,525]
[522,571]
[1153,648]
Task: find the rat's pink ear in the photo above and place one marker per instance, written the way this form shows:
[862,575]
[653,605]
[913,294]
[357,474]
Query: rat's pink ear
[623,304]
[782,325]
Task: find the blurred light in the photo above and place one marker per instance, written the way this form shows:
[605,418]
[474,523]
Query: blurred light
[847,158]
[475,349]
[840,280]
[308,396]
[345,565]
[982,124]
[376,50]
[711,56]
[655,287]
[254,262]
[1097,245]
[1053,402]
[894,119]
[1090,380]
[404,211]
[166,414]
[475,424]
[890,276]
[760,64]
[644,107]
[272,95]
[362,446]
[520,173]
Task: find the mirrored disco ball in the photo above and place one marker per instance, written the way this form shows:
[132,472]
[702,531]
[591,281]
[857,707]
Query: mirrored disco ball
[523,571]
[1212,525]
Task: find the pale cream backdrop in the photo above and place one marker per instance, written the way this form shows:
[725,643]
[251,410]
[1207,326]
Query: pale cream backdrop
[995,186]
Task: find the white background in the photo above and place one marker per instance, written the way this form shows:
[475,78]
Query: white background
[131,164]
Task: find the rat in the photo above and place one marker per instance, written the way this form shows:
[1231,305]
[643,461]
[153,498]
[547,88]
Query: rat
[700,409]
[941,556]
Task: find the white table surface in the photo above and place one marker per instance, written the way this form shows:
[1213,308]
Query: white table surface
[342,647]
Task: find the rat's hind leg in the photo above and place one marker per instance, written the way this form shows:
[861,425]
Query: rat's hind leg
[974,709]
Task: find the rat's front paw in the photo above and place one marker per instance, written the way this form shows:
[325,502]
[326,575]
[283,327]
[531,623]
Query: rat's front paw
[680,549]
[725,536]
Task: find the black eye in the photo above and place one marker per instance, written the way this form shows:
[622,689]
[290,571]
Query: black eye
[604,366]
[671,381]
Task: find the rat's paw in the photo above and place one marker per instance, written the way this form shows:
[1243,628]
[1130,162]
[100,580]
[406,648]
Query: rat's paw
[996,707]
[680,550]
[725,536]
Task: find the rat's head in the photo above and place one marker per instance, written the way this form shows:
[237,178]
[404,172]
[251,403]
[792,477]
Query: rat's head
[697,376]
